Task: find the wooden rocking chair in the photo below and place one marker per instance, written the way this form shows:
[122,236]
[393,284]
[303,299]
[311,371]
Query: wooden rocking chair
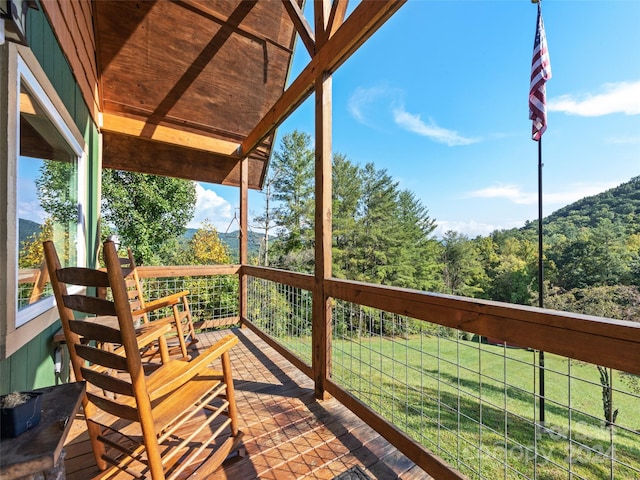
[171,423]
[184,331]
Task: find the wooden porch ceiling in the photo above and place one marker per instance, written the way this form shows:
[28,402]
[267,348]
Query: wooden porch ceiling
[182,84]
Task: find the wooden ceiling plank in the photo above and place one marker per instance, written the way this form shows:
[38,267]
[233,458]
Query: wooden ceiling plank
[161,133]
[367,17]
[301,25]
[250,33]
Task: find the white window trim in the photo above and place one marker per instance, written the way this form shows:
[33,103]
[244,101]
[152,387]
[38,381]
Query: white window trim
[22,66]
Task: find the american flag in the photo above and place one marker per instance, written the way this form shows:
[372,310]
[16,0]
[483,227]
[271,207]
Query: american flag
[540,73]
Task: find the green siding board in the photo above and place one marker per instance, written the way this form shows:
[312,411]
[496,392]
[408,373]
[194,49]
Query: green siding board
[32,360]
[19,375]
[35,27]
[81,115]
[32,366]
[68,90]
[44,370]
[47,55]
[5,376]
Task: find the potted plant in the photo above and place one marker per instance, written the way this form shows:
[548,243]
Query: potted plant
[19,411]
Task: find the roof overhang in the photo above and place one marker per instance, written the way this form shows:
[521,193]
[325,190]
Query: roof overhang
[182,84]
[189,88]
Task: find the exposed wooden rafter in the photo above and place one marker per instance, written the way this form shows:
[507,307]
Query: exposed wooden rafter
[321,11]
[366,18]
[136,128]
[302,26]
[336,16]
[126,152]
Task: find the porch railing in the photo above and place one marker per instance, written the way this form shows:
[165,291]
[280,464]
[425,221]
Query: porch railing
[213,291]
[451,382]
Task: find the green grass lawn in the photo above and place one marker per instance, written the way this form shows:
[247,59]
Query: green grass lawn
[474,405]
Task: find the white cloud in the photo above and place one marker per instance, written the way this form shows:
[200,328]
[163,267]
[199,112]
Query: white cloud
[415,124]
[622,97]
[32,210]
[361,100]
[212,207]
[514,193]
[472,229]
[371,106]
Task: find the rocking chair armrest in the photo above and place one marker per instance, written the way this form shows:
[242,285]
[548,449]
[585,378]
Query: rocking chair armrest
[167,301]
[176,373]
[150,332]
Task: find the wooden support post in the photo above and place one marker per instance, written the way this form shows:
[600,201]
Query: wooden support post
[321,302]
[244,235]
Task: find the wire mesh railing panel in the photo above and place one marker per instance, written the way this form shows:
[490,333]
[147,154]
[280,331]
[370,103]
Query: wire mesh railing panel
[213,299]
[27,296]
[283,312]
[475,402]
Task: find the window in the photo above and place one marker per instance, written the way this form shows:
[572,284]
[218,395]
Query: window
[45,183]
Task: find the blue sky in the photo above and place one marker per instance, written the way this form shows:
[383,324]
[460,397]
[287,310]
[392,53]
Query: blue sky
[439,98]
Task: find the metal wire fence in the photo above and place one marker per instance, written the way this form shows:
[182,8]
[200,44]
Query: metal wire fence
[283,312]
[213,299]
[26,295]
[475,402]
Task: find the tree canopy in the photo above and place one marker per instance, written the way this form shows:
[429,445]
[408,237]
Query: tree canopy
[146,211]
[383,234]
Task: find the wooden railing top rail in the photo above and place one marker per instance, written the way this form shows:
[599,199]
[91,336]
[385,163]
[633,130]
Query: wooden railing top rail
[186,270]
[28,275]
[602,341]
[298,280]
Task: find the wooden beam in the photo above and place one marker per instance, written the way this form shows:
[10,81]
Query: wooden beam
[27,106]
[133,127]
[321,320]
[303,281]
[136,154]
[336,16]
[244,235]
[158,271]
[244,206]
[321,10]
[301,25]
[367,17]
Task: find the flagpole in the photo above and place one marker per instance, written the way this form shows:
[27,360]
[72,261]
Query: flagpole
[540,277]
[540,73]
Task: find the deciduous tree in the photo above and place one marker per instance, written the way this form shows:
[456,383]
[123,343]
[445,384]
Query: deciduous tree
[146,210]
[206,247]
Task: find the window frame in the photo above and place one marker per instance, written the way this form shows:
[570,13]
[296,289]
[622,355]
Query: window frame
[18,66]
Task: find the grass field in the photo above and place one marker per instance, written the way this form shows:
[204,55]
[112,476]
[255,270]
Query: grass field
[475,406]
